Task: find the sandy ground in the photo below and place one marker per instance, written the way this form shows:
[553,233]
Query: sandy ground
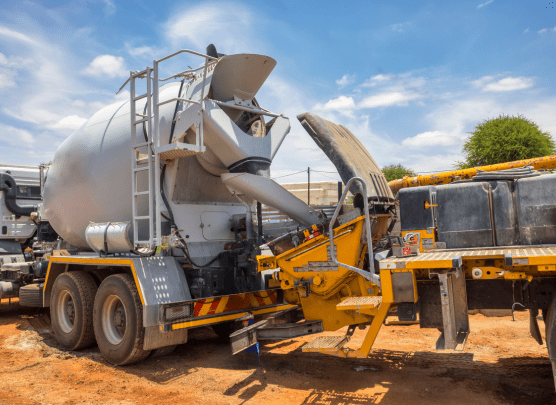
[501,364]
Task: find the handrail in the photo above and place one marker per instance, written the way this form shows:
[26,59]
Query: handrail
[178,99]
[248,109]
[370,275]
[186,51]
[185,72]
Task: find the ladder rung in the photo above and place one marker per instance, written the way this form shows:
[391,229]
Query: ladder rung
[141,193]
[140,169]
[140,97]
[141,145]
[140,121]
[141,217]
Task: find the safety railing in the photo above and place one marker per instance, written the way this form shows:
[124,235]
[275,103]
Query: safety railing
[370,275]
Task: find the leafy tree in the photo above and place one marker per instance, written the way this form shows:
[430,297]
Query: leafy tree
[505,139]
[393,172]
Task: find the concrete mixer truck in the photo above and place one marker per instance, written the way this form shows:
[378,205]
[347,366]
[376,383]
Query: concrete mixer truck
[150,225]
[155,208]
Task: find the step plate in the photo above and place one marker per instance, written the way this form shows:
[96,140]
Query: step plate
[360,303]
[177,153]
[325,342]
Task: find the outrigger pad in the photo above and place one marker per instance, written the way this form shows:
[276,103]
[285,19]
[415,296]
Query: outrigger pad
[349,155]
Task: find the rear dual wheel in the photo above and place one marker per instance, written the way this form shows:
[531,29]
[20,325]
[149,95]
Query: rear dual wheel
[112,313]
[118,320]
[71,310]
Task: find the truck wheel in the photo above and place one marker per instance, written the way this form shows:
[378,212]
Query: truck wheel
[31,295]
[71,310]
[118,320]
[224,330]
[162,351]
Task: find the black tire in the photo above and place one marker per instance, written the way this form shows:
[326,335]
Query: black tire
[31,295]
[162,351]
[118,320]
[224,330]
[71,310]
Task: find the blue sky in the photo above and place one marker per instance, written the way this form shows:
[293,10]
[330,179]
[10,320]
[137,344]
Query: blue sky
[410,79]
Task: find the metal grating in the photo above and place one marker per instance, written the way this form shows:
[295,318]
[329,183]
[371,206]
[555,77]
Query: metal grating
[177,153]
[449,255]
[326,342]
[373,301]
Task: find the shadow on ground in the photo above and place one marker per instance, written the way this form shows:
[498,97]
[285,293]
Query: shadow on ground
[328,380]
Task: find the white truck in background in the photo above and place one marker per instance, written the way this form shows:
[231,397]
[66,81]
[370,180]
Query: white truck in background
[22,241]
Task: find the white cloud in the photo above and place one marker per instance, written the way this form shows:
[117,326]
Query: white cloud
[509,84]
[109,7]
[71,122]
[17,36]
[430,138]
[482,81]
[486,3]
[229,26]
[7,78]
[388,99]
[542,31]
[15,136]
[377,79]
[399,27]
[106,65]
[142,51]
[345,80]
[340,103]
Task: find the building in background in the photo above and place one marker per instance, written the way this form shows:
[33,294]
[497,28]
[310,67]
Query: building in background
[321,192]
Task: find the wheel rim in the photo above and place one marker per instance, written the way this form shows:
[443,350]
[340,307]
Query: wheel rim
[66,311]
[114,319]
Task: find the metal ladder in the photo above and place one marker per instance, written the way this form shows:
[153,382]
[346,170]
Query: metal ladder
[142,162]
[147,154]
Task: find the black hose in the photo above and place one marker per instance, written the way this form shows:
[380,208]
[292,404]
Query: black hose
[7,184]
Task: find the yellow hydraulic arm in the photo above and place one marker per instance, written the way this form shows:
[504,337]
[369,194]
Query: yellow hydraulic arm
[541,163]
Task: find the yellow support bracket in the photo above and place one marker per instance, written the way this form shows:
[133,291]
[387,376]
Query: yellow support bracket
[372,333]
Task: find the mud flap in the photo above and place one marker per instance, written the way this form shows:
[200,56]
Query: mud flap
[534,325]
[550,324]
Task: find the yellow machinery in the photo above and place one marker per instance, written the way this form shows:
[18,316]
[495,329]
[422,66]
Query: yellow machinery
[333,278]
[338,280]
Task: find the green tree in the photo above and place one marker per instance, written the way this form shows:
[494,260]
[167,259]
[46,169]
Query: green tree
[393,172]
[505,139]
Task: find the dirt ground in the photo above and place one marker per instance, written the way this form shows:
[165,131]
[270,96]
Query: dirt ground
[501,364]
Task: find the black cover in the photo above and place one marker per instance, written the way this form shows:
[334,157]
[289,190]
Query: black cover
[413,215]
[348,155]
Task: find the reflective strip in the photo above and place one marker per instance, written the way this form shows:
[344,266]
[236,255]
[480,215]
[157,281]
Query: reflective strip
[222,305]
[224,318]
[77,260]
